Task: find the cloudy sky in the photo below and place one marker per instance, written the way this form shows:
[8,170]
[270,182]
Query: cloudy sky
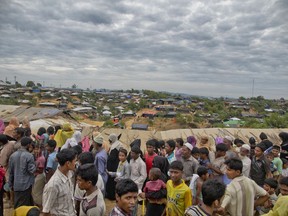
[209,48]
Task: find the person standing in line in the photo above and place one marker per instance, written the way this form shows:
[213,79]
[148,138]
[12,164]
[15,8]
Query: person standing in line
[189,162]
[112,165]
[170,147]
[242,194]
[58,192]
[243,155]
[21,174]
[179,195]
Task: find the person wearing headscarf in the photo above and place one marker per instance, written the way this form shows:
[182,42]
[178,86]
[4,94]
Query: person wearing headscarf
[192,140]
[163,164]
[205,142]
[10,129]
[63,134]
[284,145]
[73,141]
[26,127]
[112,164]
[85,138]
[2,126]
[264,139]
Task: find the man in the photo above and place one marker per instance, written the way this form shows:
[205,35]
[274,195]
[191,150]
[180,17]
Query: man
[229,142]
[126,198]
[242,194]
[189,162]
[260,167]
[100,157]
[212,192]
[58,192]
[22,168]
[243,155]
[93,202]
[179,195]
[7,150]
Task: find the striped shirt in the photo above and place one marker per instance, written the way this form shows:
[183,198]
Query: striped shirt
[240,195]
[58,195]
[196,211]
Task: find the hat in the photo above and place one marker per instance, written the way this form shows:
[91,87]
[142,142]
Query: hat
[112,137]
[229,138]
[246,146]
[189,146]
[98,139]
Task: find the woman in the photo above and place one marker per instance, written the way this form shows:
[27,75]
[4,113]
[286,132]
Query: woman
[163,164]
[112,164]
[63,134]
[205,142]
[10,129]
[284,145]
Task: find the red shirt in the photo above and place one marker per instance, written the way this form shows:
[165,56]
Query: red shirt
[148,160]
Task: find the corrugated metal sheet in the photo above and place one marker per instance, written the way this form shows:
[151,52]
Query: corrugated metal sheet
[33,113]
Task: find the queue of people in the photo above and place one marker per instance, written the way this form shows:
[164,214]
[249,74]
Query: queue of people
[62,171]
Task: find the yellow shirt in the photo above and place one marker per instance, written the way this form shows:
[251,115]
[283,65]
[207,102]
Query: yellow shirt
[280,208]
[179,198]
[23,210]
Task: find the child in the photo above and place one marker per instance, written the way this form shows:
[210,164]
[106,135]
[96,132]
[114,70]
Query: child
[195,153]
[270,185]
[52,164]
[123,170]
[149,156]
[178,150]
[212,192]
[155,192]
[179,195]
[273,168]
[196,184]
[218,167]
[277,161]
[93,201]
[170,147]
[285,168]
[204,158]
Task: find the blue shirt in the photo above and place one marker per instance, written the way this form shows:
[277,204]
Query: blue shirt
[22,168]
[101,164]
[51,161]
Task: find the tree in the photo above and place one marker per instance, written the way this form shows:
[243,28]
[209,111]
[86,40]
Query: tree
[18,85]
[39,84]
[30,84]
[74,86]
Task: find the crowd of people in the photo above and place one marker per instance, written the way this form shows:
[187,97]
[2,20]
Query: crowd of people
[61,171]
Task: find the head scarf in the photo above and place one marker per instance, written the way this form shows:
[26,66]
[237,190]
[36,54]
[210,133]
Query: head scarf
[2,126]
[115,143]
[163,164]
[192,140]
[63,134]
[10,129]
[25,122]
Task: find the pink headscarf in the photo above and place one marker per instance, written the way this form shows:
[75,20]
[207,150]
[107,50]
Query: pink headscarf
[2,126]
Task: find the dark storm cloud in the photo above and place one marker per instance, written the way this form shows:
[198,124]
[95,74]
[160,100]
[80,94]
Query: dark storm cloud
[206,48]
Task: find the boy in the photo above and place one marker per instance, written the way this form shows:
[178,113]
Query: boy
[178,150]
[170,147]
[196,185]
[273,168]
[123,170]
[270,185]
[52,164]
[126,198]
[58,192]
[212,192]
[149,156]
[277,161]
[178,193]
[93,202]
[242,194]
[195,153]
[204,158]
[218,167]
[260,167]
[281,208]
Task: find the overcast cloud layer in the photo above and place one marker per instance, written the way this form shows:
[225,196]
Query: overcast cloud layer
[210,48]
